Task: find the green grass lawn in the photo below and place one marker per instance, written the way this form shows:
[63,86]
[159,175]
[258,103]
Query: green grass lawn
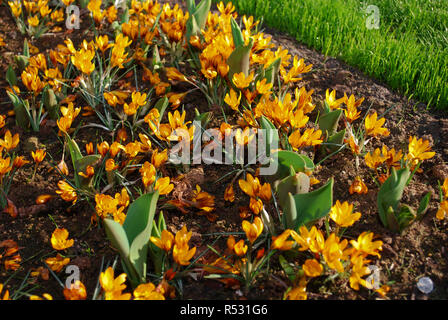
[409,51]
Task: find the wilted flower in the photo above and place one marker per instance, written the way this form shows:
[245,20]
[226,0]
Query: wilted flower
[66,191]
[174,74]
[115,97]
[43,198]
[392,158]
[77,291]
[229,193]
[205,202]
[358,186]
[256,205]
[111,165]
[62,167]
[57,263]
[19,162]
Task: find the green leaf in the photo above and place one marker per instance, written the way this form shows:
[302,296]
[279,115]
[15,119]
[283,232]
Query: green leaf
[239,59]
[332,144]
[198,17]
[298,183]
[328,122]
[191,6]
[203,118]
[312,206]
[272,71]
[20,111]
[155,56]
[287,159]
[140,214]
[117,236]
[138,227]
[125,16]
[161,223]
[75,154]
[40,32]
[11,76]
[81,165]
[271,135]
[289,270]
[201,13]
[192,28]
[238,39]
[22,61]
[423,207]
[391,192]
[289,217]
[161,105]
[26,49]
[405,217]
[392,221]
[50,102]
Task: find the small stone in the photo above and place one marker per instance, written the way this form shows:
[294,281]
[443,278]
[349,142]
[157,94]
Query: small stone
[31,144]
[342,88]
[387,239]
[81,262]
[425,285]
[440,171]
[342,75]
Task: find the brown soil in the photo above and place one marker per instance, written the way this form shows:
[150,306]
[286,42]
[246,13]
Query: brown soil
[419,251]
